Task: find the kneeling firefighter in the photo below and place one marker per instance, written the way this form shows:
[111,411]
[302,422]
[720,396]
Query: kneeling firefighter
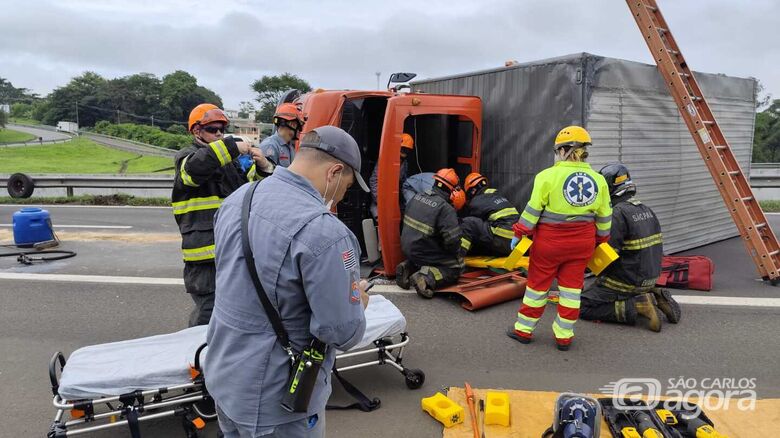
[567,216]
[487,218]
[431,238]
[625,291]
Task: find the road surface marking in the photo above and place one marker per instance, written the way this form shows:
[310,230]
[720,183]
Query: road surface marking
[113,227]
[379,288]
[156,281]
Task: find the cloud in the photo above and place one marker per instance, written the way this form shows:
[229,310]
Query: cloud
[341,44]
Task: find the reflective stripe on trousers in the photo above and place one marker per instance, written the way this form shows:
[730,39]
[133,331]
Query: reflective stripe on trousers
[195,204]
[198,254]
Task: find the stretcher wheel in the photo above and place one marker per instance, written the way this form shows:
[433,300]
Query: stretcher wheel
[414,378]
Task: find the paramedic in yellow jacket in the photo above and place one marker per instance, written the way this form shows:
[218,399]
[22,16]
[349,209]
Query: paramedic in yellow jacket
[567,216]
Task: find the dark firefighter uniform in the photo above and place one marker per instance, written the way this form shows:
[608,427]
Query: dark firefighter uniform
[487,224]
[205,175]
[636,235]
[431,238]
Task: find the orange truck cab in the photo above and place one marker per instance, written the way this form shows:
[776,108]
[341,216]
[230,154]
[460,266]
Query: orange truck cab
[446,131]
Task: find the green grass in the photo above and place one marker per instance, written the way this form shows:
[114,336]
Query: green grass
[770,206]
[22,121]
[78,156]
[11,136]
[118,199]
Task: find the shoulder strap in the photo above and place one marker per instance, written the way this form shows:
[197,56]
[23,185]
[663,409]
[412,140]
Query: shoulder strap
[270,310]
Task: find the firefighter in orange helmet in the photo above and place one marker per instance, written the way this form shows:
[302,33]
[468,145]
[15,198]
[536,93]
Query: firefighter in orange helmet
[487,218]
[431,238]
[567,216]
[206,172]
[279,148]
[407,145]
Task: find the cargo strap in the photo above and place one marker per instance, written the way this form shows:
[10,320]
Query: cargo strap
[363,403]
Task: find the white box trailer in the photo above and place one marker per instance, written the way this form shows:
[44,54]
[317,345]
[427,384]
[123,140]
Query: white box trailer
[627,108]
[71,127]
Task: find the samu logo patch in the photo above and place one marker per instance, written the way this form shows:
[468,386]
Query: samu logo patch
[580,189]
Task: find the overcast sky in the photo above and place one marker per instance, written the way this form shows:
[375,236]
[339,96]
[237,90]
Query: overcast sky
[227,44]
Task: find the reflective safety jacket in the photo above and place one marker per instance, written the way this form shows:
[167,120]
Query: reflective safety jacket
[568,194]
[431,234]
[636,236]
[491,207]
[205,175]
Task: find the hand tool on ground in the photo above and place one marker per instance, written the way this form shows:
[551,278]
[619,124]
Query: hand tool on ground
[645,425]
[695,427]
[470,402]
[482,415]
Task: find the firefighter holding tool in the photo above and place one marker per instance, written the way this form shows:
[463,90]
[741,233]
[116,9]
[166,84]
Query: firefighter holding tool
[488,218]
[432,238]
[567,216]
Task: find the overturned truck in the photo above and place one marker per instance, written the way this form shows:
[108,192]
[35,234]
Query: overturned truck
[627,108]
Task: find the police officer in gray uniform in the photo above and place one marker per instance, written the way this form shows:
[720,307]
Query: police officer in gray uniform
[307,262]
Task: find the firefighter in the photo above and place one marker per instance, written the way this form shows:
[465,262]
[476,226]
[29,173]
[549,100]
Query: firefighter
[487,218]
[431,238]
[567,216]
[207,172]
[625,290]
[279,148]
[407,145]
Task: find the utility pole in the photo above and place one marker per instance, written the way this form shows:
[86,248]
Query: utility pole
[378,74]
[152,120]
[77,115]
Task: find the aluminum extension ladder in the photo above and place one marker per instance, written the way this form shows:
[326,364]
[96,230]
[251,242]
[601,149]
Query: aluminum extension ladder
[717,154]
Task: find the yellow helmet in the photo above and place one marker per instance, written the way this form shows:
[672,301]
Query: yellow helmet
[572,136]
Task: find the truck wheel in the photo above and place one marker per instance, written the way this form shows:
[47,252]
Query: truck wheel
[20,186]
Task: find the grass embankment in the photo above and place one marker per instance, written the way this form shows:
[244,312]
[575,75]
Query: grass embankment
[22,121]
[770,206]
[78,156]
[11,136]
[118,199]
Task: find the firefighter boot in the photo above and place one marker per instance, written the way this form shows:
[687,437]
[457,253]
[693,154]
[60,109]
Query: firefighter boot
[521,337]
[402,273]
[421,285]
[646,306]
[668,306]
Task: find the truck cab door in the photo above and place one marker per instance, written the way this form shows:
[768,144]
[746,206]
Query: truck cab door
[446,130]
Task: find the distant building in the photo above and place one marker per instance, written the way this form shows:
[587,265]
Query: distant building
[248,128]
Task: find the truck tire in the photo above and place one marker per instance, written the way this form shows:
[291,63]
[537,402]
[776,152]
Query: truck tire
[20,186]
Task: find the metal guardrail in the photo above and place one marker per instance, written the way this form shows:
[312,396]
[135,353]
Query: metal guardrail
[69,182]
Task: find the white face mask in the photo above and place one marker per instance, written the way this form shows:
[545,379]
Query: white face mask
[329,204]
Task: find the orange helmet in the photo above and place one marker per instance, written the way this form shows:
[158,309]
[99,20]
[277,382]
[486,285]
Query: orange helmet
[474,180]
[288,112]
[446,178]
[458,198]
[407,141]
[206,113]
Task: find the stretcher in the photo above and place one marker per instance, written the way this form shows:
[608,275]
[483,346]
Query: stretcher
[122,384]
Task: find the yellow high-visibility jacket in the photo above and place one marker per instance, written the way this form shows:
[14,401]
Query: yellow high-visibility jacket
[566,193]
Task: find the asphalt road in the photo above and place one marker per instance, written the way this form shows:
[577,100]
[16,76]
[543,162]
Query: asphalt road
[46,134]
[451,345]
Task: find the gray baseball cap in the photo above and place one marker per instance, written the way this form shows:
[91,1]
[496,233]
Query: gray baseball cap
[340,145]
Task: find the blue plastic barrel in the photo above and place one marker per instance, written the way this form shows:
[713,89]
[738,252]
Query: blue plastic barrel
[32,225]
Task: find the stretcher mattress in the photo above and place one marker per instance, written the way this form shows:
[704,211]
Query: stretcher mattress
[163,361]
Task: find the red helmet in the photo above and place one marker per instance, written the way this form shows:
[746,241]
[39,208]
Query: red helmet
[204,114]
[288,112]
